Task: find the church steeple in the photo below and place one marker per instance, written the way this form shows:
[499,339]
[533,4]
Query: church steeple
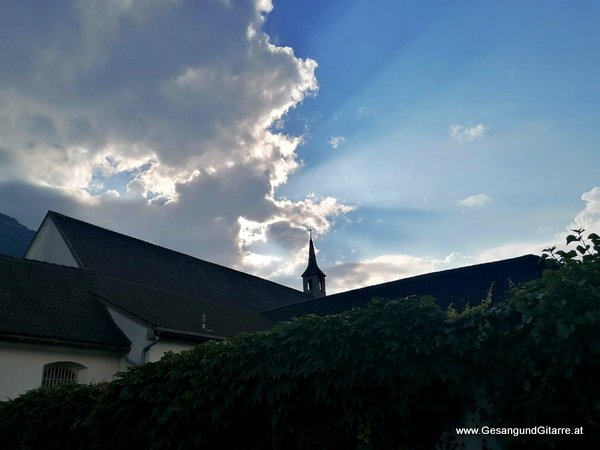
[313,278]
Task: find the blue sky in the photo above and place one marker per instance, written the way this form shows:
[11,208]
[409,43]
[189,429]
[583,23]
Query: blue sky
[412,135]
[397,77]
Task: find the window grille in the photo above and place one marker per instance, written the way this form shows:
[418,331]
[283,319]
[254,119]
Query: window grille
[60,373]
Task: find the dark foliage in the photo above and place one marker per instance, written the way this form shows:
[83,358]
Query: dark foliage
[395,374]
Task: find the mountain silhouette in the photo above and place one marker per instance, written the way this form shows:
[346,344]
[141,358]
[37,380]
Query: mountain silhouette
[14,237]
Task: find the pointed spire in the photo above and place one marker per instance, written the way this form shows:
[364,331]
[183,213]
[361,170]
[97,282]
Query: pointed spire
[313,277]
[313,267]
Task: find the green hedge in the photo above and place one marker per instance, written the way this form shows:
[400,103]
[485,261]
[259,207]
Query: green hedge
[395,374]
[331,382]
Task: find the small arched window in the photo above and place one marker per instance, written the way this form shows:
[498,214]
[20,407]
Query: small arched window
[310,286]
[63,372]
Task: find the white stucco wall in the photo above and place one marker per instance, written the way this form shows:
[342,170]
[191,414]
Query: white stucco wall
[158,350]
[49,246]
[136,332]
[21,365]
[142,337]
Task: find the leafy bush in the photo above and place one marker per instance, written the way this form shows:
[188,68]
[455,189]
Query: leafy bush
[551,357]
[395,374]
[48,418]
[374,377]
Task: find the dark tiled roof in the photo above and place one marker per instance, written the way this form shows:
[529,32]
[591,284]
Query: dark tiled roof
[126,258]
[462,286]
[46,301]
[168,310]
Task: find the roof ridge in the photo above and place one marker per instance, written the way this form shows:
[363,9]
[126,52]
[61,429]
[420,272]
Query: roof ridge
[162,248]
[453,269]
[389,283]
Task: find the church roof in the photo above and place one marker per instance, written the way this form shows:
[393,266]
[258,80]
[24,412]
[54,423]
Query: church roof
[184,296]
[126,258]
[312,268]
[177,314]
[47,302]
[459,287]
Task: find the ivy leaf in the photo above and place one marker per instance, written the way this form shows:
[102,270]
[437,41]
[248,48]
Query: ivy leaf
[564,331]
[592,316]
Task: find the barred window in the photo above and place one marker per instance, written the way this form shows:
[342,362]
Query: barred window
[60,373]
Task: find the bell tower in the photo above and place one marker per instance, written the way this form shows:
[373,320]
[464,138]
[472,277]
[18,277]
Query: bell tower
[313,278]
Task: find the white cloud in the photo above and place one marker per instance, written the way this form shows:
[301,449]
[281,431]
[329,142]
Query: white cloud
[176,84]
[343,276]
[390,267]
[589,218]
[453,260]
[351,275]
[474,201]
[363,111]
[148,117]
[512,250]
[468,133]
[282,236]
[336,141]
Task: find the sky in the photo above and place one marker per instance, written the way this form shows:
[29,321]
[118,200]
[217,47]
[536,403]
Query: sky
[412,136]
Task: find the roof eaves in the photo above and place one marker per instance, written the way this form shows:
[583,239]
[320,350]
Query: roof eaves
[80,343]
[189,334]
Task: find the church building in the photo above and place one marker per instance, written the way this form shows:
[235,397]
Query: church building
[86,303]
